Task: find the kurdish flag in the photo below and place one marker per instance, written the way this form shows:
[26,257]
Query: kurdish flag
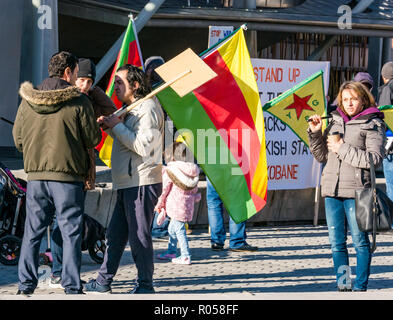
[130,53]
[225,126]
[388,111]
[294,106]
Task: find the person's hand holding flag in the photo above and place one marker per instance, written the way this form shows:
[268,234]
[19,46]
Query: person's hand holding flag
[315,123]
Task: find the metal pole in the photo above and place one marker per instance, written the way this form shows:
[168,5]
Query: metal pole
[251,35]
[45,35]
[140,21]
[387,47]
[250,4]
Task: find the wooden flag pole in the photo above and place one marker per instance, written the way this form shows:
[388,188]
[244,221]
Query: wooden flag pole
[187,67]
[126,109]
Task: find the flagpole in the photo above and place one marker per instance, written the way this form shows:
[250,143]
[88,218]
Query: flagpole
[151,94]
[137,41]
[141,20]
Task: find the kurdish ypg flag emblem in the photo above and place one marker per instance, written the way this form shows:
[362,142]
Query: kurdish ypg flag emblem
[294,106]
[224,120]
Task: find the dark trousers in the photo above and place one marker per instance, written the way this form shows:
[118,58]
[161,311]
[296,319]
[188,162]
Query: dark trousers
[56,246]
[43,200]
[131,221]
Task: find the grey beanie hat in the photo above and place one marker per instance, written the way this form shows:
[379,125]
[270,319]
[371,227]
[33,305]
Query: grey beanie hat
[387,70]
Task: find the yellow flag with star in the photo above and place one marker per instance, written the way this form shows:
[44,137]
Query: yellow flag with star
[294,106]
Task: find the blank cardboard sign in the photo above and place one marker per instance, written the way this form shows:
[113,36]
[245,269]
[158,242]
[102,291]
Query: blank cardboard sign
[198,72]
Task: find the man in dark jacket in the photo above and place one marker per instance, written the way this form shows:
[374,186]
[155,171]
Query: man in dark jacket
[54,127]
[102,106]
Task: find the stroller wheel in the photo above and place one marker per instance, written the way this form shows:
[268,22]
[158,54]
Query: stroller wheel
[10,250]
[97,251]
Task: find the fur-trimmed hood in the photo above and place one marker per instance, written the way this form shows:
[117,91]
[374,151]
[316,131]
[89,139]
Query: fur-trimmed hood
[48,101]
[183,174]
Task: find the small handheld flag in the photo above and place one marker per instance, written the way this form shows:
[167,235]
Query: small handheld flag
[296,105]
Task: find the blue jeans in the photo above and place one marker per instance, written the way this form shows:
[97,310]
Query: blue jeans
[340,214]
[237,232]
[388,173]
[177,233]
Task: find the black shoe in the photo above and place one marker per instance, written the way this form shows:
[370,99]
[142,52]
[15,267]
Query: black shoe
[25,292]
[95,287]
[141,290]
[217,247]
[344,290]
[244,247]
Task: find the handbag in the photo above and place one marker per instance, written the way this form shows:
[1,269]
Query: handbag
[373,208]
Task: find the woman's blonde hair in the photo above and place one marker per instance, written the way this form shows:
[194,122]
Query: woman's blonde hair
[362,92]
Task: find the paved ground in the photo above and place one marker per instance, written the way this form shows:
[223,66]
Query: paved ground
[293,262]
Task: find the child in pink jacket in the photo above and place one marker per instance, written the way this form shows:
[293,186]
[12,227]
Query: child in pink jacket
[179,193]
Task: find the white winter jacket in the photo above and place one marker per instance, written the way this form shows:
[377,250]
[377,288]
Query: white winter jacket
[137,147]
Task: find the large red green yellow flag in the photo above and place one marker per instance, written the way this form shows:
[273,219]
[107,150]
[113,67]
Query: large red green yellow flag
[294,106]
[130,53]
[388,111]
[225,126]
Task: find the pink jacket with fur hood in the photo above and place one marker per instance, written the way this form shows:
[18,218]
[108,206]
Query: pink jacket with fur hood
[179,190]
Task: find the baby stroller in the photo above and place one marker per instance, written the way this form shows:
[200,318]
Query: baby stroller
[93,239]
[12,223]
[12,215]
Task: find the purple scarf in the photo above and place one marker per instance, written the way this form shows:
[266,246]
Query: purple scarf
[364,112]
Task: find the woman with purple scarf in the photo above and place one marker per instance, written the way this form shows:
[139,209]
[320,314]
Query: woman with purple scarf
[356,129]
